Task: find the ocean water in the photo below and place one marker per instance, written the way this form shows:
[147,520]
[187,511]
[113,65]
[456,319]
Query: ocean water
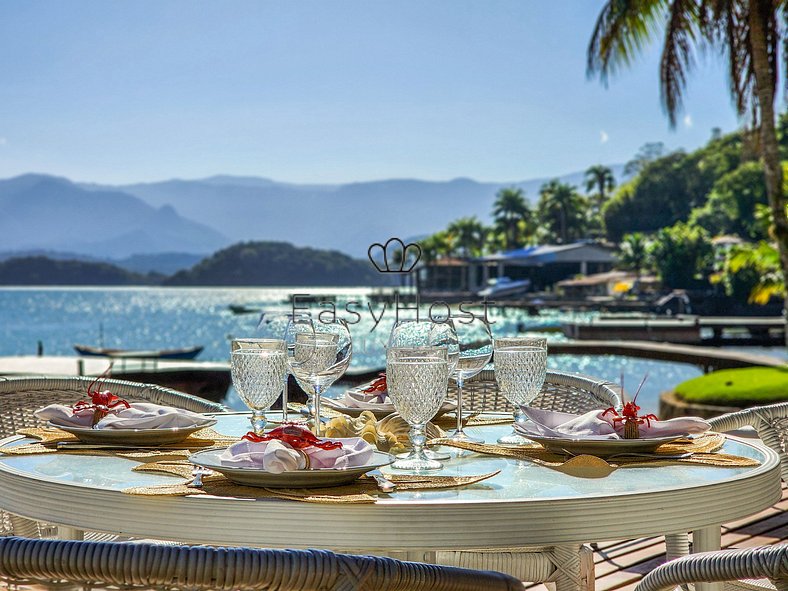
[160,318]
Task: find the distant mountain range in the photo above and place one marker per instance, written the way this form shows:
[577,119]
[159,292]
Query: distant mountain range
[44,212]
[197,217]
[347,217]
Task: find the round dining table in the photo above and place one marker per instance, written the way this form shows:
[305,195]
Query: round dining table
[525,504]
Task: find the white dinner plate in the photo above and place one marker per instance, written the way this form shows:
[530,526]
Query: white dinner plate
[339,406]
[317,478]
[145,437]
[600,447]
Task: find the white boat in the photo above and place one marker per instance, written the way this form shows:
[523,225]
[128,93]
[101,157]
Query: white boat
[503,287]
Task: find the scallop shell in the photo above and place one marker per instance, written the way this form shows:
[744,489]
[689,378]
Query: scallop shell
[390,434]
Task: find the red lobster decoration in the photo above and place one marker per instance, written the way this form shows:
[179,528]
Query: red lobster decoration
[101,402]
[629,415]
[295,436]
[378,387]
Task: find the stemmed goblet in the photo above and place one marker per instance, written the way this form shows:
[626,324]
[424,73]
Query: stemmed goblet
[258,368]
[426,333]
[417,379]
[475,350]
[319,353]
[273,325]
[520,370]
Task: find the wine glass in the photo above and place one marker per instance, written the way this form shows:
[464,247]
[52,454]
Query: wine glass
[417,379]
[273,325]
[475,350]
[426,333]
[520,370]
[319,353]
[258,368]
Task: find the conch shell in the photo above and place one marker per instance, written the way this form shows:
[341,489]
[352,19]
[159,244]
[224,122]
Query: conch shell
[389,434]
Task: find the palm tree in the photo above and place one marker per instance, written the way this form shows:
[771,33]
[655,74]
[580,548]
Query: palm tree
[601,178]
[562,210]
[750,33]
[509,210]
[633,252]
[438,245]
[469,235]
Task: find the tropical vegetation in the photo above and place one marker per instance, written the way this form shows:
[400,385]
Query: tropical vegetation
[749,34]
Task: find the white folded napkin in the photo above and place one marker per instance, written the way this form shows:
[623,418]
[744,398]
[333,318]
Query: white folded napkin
[596,424]
[276,456]
[368,400]
[378,401]
[140,415]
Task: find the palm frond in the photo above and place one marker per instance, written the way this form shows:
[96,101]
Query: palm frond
[681,32]
[622,30]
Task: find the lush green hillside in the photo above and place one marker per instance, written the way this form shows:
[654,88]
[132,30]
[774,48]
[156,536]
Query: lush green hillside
[718,187]
[278,263]
[44,271]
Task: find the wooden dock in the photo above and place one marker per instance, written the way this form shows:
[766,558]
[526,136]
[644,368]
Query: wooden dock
[693,330]
[620,565]
[707,358]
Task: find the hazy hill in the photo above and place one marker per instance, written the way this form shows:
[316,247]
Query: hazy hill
[164,263]
[280,264]
[346,217]
[45,271]
[44,212]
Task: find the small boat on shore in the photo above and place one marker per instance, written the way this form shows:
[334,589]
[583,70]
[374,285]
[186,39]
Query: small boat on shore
[184,353]
[504,287]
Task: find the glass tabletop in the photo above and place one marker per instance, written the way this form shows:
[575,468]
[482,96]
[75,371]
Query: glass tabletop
[518,480]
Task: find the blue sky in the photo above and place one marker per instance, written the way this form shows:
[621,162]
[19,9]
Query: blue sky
[325,90]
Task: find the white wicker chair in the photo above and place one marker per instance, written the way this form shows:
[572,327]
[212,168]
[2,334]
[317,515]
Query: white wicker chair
[21,396]
[47,564]
[771,424]
[570,566]
[740,569]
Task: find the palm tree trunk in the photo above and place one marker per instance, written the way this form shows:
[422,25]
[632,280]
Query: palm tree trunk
[769,147]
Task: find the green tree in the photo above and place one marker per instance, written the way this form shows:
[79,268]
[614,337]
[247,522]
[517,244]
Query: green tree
[633,252]
[749,33]
[599,183]
[756,266]
[511,213]
[732,203]
[435,246]
[600,180]
[469,234]
[683,255]
[562,211]
[648,152]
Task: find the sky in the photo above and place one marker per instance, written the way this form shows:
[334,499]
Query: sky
[326,91]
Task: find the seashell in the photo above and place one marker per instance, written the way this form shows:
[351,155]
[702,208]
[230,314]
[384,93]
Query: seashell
[390,434]
[398,428]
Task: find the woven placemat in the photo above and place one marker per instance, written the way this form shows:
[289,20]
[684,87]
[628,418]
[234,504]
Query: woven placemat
[363,491]
[48,438]
[704,450]
[449,420]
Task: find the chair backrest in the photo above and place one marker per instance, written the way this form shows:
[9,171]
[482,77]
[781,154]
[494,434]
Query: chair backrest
[149,566]
[766,562]
[561,391]
[21,396]
[771,423]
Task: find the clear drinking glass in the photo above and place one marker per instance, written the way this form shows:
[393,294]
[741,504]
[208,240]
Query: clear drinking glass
[426,333]
[258,368]
[417,379]
[273,325]
[319,353]
[520,371]
[475,350]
